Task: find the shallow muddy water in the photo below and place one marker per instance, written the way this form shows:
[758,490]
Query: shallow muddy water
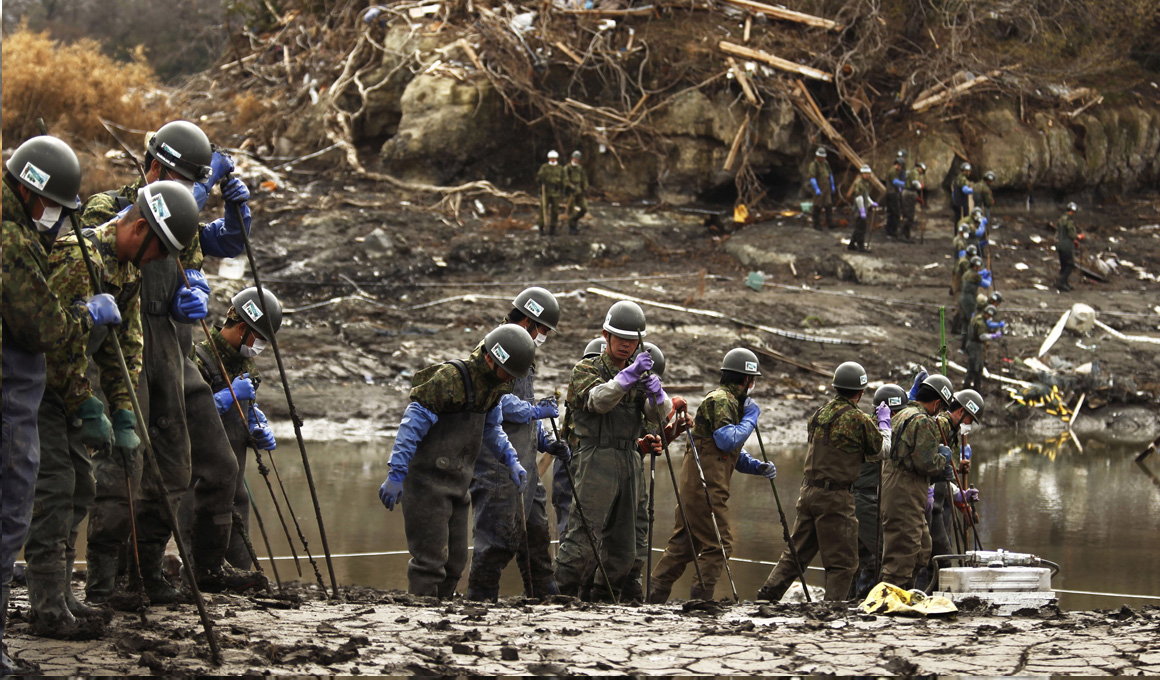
[1095,513]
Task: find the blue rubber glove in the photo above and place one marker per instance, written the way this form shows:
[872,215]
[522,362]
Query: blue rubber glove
[922,375]
[814,184]
[929,500]
[898,183]
[873,204]
[236,194]
[730,437]
[392,490]
[748,465]
[981,230]
[260,430]
[945,452]
[966,452]
[547,408]
[416,423]
[750,411]
[832,189]
[882,414]
[986,282]
[961,254]
[996,325]
[189,305]
[654,391]
[983,243]
[967,189]
[632,372]
[516,472]
[560,450]
[197,280]
[221,165]
[516,410]
[200,196]
[243,387]
[96,428]
[103,308]
[495,439]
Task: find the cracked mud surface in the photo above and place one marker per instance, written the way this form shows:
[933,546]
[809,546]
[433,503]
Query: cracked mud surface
[376,632]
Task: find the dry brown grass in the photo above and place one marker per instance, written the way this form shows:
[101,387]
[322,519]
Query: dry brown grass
[73,86]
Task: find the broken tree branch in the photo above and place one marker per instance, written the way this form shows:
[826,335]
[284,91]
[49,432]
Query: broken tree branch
[801,98]
[743,80]
[774,61]
[948,94]
[732,158]
[785,14]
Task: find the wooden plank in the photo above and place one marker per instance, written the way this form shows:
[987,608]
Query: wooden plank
[571,55]
[946,95]
[774,61]
[601,110]
[743,80]
[785,14]
[748,28]
[736,146]
[471,54]
[645,11]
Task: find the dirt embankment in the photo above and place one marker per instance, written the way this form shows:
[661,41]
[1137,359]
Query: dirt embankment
[392,633]
[369,308]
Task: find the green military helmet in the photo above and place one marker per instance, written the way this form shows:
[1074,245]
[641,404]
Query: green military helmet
[182,147]
[976,261]
[171,211]
[539,305]
[594,348]
[996,298]
[512,348]
[625,320]
[903,153]
[265,321]
[921,166]
[48,167]
[989,176]
[941,384]
[963,228]
[1072,207]
[821,152]
[972,250]
[658,358]
[971,400]
[965,167]
[850,376]
[741,360]
[576,155]
[893,395]
[990,310]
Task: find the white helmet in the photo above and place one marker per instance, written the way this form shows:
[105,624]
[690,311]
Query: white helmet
[553,154]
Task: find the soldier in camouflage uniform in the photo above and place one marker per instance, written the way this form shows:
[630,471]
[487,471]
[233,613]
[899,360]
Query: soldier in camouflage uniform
[862,203]
[893,196]
[248,328]
[576,185]
[977,226]
[174,397]
[1067,237]
[841,438]
[41,180]
[959,242]
[821,181]
[501,521]
[946,494]
[978,334]
[960,189]
[72,419]
[552,190]
[610,397]
[561,487]
[454,407]
[984,197]
[724,422]
[962,265]
[912,194]
[973,278]
[916,458]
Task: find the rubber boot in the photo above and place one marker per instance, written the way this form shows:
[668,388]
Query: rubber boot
[696,592]
[157,587]
[101,580]
[211,540]
[6,667]
[482,594]
[631,590]
[78,608]
[49,613]
[659,594]
[573,227]
[768,594]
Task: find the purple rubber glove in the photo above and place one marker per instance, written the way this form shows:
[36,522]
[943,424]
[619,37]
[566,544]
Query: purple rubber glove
[968,496]
[993,336]
[862,212]
[654,390]
[930,500]
[632,372]
[882,412]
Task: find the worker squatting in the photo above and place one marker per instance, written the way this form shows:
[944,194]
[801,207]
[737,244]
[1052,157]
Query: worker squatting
[465,457]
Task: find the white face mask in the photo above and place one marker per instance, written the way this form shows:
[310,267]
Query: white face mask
[49,219]
[253,351]
[541,339]
[965,428]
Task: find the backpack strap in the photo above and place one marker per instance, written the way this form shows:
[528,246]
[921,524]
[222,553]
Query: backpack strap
[461,366]
[216,380]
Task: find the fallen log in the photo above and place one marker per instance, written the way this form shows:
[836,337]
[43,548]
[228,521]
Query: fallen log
[946,95]
[645,11]
[801,98]
[736,146]
[774,61]
[743,81]
[785,14]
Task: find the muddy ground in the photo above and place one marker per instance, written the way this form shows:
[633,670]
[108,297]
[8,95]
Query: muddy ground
[426,289]
[391,633]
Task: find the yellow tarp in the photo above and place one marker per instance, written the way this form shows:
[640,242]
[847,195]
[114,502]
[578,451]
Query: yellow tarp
[890,599]
[740,213]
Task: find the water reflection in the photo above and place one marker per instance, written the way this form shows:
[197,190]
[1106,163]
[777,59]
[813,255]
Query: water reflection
[1095,513]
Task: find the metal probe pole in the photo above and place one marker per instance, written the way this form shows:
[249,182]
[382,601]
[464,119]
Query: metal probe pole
[784,524]
[713,515]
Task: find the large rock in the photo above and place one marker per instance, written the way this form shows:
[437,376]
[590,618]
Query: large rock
[448,128]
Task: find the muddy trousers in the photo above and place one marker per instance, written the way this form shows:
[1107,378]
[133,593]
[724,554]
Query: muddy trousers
[905,535]
[941,532]
[893,201]
[206,512]
[826,526]
[577,208]
[1066,267]
[822,203]
[64,489]
[858,238]
[23,388]
[549,207]
[974,379]
[237,554]
[866,509]
[607,483]
[909,201]
[561,497]
[499,530]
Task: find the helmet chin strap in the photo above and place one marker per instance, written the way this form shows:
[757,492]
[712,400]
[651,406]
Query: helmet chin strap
[144,246]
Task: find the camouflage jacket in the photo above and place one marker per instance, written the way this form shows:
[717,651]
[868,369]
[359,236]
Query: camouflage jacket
[1067,231]
[983,195]
[862,188]
[851,433]
[70,280]
[962,267]
[595,371]
[957,196]
[915,444]
[34,315]
[552,178]
[440,388]
[575,179]
[915,180]
[102,207]
[232,359]
[819,170]
[721,407]
[959,243]
[971,281]
[977,329]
